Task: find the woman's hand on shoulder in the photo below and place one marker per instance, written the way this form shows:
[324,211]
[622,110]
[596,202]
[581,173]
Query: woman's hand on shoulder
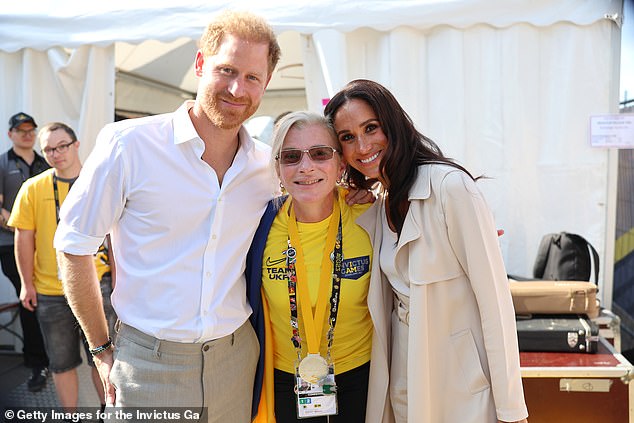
[360,196]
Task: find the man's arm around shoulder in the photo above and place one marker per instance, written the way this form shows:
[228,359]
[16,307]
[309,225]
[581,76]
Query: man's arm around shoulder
[82,291]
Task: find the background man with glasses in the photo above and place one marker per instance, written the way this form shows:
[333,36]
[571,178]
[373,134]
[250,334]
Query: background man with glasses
[35,216]
[18,164]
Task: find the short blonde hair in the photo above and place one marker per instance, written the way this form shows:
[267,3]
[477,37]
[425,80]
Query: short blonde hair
[297,120]
[244,25]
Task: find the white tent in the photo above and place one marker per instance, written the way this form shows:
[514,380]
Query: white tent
[506,87]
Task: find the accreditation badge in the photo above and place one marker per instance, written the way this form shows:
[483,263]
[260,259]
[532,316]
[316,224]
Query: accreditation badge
[319,397]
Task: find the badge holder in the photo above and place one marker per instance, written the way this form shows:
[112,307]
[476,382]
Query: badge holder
[315,387]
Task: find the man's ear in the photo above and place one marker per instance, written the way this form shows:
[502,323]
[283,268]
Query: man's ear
[199,62]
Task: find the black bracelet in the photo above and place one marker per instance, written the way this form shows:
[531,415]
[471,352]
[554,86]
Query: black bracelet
[98,350]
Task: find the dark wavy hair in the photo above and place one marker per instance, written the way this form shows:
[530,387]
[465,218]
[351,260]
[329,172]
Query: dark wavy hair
[407,148]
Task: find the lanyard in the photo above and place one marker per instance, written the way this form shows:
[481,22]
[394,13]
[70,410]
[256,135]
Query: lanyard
[56,194]
[298,279]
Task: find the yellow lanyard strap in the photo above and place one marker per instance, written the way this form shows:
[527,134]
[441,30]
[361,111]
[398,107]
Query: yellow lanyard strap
[314,323]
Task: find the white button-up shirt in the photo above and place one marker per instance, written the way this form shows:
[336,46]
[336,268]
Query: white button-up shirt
[179,238]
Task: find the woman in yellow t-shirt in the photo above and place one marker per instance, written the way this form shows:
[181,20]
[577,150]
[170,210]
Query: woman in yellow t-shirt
[309,267]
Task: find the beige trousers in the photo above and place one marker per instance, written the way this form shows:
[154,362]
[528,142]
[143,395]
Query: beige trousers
[215,377]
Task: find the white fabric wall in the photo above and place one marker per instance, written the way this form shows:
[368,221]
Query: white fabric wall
[75,87]
[511,103]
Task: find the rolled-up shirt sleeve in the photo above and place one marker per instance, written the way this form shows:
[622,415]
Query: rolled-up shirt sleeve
[96,199]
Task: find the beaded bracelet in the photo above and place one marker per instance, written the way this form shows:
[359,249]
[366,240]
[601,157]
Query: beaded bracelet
[98,350]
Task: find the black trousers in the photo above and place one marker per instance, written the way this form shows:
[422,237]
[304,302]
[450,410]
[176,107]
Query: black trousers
[34,352]
[352,396]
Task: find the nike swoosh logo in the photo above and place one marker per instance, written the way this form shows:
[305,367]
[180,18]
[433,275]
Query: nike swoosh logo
[270,262]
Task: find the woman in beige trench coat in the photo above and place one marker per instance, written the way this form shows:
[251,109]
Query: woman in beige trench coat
[454,343]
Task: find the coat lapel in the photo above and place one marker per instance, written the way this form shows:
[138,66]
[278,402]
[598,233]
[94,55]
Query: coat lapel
[421,190]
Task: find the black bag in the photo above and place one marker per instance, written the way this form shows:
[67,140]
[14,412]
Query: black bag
[566,257]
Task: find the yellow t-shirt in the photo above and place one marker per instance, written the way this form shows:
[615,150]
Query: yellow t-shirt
[353,331]
[34,209]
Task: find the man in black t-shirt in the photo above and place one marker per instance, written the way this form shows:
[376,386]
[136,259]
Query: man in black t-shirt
[18,164]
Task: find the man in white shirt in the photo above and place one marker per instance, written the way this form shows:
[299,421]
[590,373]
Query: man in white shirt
[181,195]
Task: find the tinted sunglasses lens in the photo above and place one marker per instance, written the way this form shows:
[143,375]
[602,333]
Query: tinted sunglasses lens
[288,157]
[320,154]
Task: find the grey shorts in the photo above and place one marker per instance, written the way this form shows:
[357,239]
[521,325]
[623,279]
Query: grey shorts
[61,332]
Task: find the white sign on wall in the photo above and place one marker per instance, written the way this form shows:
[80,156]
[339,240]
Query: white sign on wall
[612,131]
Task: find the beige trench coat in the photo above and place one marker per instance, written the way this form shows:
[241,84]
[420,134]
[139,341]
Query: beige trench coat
[378,408]
[463,359]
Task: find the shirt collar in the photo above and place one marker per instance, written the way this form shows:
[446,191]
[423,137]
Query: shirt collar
[15,156]
[184,130]
[12,155]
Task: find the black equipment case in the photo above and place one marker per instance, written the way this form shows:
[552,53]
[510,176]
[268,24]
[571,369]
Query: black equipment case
[558,333]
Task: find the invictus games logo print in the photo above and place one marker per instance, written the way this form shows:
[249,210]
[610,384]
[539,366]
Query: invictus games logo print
[352,268]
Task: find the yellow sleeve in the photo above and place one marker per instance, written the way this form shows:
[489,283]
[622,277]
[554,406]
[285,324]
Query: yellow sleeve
[23,213]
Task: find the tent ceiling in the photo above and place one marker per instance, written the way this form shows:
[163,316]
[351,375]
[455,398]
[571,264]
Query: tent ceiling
[41,25]
[155,39]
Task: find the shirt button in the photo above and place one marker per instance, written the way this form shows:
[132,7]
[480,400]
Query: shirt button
[206,348]
[208,274]
[213,237]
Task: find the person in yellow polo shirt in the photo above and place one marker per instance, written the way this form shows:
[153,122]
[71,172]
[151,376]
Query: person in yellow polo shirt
[35,215]
[310,263]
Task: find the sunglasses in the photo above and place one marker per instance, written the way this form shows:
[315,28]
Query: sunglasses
[318,153]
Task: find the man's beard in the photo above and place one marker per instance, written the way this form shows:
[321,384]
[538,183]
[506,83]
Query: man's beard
[223,118]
